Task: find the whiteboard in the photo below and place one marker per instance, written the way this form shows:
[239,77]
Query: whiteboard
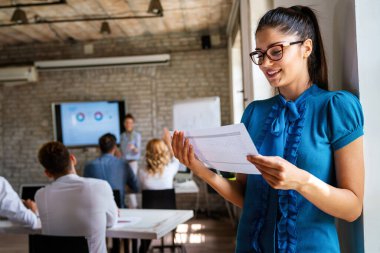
[196,113]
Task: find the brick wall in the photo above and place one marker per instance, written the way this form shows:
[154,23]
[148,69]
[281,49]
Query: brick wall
[178,42]
[149,92]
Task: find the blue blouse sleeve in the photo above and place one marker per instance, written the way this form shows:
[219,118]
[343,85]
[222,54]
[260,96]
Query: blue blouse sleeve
[346,119]
[247,115]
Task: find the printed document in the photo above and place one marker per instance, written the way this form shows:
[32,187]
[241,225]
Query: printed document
[224,148]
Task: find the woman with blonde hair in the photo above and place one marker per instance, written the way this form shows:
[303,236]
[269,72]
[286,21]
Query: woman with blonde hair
[161,165]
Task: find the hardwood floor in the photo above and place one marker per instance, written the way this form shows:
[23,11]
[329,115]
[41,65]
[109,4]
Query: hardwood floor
[200,235]
[13,243]
[206,236]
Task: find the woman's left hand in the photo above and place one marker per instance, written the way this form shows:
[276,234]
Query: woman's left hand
[278,172]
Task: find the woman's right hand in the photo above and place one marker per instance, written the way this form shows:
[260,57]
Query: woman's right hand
[233,191]
[184,152]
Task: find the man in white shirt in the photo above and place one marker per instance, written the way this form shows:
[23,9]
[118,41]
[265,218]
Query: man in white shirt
[12,208]
[73,205]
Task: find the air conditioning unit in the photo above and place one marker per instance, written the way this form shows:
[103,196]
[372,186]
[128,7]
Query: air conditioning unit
[158,59]
[18,75]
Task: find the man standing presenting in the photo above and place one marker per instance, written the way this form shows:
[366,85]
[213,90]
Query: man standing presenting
[130,145]
[73,205]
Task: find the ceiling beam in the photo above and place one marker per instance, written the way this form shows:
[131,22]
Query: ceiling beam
[86,19]
[31,4]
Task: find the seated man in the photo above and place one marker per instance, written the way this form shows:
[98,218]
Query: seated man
[12,208]
[112,169]
[73,205]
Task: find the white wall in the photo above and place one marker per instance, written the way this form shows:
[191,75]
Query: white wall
[344,54]
[345,76]
[254,82]
[237,80]
[368,35]
[246,38]
[261,87]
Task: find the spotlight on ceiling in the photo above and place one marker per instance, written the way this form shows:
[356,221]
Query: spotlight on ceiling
[155,7]
[19,16]
[105,28]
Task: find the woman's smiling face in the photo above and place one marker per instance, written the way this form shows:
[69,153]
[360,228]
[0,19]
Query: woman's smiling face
[291,69]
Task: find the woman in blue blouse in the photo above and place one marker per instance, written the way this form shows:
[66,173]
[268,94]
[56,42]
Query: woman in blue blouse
[310,144]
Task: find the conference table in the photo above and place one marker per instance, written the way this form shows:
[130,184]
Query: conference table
[132,224]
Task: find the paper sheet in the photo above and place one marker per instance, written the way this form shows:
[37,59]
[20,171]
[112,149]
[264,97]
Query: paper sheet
[127,221]
[224,148]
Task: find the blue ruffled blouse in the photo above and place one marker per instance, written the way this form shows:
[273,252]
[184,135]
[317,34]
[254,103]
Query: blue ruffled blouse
[306,132]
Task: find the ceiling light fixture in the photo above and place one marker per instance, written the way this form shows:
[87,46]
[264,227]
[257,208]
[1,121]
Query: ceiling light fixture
[105,28]
[19,17]
[155,7]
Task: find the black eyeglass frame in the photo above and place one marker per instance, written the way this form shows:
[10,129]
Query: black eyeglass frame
[264,53]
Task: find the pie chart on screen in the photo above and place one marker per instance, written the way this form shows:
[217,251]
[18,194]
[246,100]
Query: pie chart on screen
[98,116]
[80,116]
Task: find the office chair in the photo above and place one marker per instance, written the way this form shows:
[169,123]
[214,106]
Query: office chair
[160,199]
[116,196]
[57,244]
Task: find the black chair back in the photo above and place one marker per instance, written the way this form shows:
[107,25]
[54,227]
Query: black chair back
[57,244]
[159,199]
[116,196]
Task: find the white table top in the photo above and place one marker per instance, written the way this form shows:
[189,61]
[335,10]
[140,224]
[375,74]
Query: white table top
[134,223]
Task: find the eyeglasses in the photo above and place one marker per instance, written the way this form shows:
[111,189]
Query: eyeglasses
[273,53]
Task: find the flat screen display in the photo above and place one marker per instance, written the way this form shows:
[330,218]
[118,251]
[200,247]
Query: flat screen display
[79,124]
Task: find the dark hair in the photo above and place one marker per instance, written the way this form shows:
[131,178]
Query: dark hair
[129,116]
[301,20]
[107,142]
[55,158]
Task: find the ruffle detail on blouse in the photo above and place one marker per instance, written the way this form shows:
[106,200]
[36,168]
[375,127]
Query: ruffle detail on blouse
[259,219]
[281,135]
[267,124]
[286,227]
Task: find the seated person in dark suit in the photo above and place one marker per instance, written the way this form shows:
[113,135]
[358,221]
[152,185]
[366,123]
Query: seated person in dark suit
[112,169]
